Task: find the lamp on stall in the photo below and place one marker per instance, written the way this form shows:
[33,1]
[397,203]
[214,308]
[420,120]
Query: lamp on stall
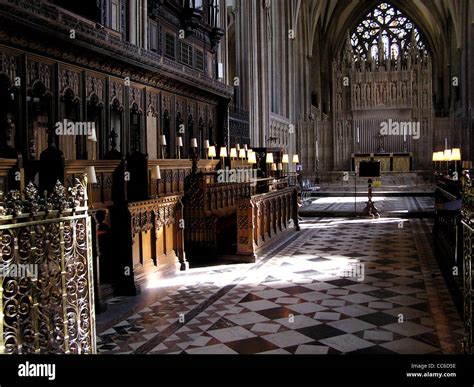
[466,165]
[438,157]
[296,160]
[237,146]
[447,154]
[242,155]
[223,154]
[233,153]
[179,145]
[280,167]
[156,172]
[252,157]
[456,156]
[212,152]
[91,178]
[163,146]
[206,148]
[274,167]
[269,159]
[285,159]
[194,143]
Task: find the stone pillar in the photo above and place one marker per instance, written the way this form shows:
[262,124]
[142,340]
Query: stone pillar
[132,21]
[145,24]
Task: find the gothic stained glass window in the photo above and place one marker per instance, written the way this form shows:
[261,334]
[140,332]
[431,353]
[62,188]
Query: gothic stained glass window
[396,30]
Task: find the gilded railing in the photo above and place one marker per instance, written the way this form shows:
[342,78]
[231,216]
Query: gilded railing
[46,278]
[467,213]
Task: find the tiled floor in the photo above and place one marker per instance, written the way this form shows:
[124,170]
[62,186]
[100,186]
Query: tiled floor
[387,205]
[340,286]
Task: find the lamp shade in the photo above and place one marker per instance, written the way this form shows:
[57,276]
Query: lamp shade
[456,154]
[252,157]
[206,144]
[233,153]
[242,154]
[237,146]
[163,140]
[156,172]
[212,151]
[223,152]
[285,159]
[438,156]
[91,176]
[269,158]
[194,143]
[296,159]
[280,166]
[447,155]
[179,141]
[274,167]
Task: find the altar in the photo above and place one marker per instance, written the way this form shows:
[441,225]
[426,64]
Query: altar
[389,162]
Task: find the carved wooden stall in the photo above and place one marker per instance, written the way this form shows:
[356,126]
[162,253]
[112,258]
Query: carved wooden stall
[210,216]
[447,232]
[264,219]
[103,195]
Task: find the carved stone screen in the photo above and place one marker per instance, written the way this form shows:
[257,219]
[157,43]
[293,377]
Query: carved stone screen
[382,91]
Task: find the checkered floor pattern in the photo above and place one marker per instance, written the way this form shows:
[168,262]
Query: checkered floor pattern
[385,204]
[340,286]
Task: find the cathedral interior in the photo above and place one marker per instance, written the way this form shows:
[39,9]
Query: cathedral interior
[236,177]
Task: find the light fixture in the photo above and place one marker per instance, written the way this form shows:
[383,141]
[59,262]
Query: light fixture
[179,144]
[296,159]
[456,154]
[194,143]
[91,176]
[447,155]
[206,144]
[274,167]
[163,146]
[156,172]
[285,159]
[242,155]
[233,153]
[252,158]
[237,146]
[223,152]
[212,152]
[269,159]
[280,166]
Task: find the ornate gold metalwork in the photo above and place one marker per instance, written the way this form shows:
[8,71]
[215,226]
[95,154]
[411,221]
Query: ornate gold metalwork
[51,310]
[467,213]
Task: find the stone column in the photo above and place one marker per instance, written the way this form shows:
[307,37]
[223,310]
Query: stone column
[145,23]
[132,21]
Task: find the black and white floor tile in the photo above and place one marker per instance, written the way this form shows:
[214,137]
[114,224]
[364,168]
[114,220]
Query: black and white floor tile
[341,286]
